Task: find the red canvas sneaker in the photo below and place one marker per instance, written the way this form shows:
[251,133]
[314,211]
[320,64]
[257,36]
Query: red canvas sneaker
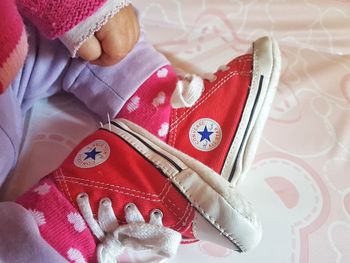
[219,121]
[123,187]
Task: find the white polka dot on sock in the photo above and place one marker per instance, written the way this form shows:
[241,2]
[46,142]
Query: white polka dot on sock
[76,221]
[164,129]
[75,255]
[159,100]
[133,104]
[39,217]
[42,189]
[162,73]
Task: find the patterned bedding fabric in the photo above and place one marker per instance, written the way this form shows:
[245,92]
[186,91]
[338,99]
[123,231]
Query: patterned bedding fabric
[299,182]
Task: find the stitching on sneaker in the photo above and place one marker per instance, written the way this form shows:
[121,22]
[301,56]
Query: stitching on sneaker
[207,96]
[174,135]
[111,185]
[65,188]
[182,218]
[181,225]
[93,184]
[237,72]
[185,217]
[250,101]
[179,217]
[230,155]
[194,227]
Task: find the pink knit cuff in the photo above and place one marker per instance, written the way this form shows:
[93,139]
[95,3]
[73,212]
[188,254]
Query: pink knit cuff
[53,18]
[13,43]
[75,37]
[13,63]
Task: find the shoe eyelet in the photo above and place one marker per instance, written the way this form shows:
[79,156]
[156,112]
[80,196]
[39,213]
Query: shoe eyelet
[82,196]
[129,206]
[157,213]
[105,201]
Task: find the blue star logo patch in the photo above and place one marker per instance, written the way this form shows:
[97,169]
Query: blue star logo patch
[92,154]
[205,134]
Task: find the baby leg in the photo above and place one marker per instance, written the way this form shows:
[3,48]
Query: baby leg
[47,70]
[11,127]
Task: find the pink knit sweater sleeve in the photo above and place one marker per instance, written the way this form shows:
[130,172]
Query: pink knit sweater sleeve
[53,18]
[73,21]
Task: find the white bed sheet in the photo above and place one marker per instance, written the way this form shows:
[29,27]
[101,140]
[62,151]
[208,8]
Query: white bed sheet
[300,181]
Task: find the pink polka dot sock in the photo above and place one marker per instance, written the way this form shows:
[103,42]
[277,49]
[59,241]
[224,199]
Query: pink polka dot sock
[150,106]
[60,224]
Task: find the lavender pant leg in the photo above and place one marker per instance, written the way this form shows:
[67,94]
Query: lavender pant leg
[20,240]
[45,67]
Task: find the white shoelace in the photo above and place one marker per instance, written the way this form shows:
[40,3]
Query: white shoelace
[187,92]
[190,88]
[135,234]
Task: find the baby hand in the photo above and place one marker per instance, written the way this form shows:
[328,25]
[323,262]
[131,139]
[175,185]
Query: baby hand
[114,40]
